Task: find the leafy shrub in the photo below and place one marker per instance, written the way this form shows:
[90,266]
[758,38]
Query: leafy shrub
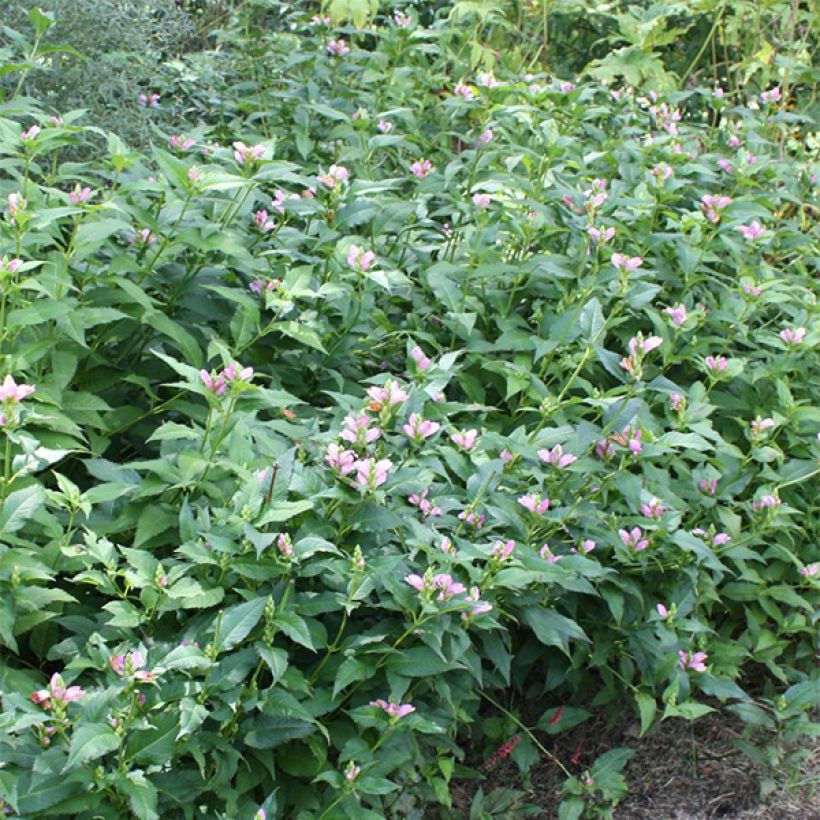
[425,395]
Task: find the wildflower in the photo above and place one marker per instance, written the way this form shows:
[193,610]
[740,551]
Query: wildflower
[261,814]
[502,550]
[662,610]
[390,393]
[465,439]
[16,203]
[263,222]
[371,473]
[425,506]
[339,459]
[143,238]
[285,545]
[352,771]
[11,392]
[634,442]
[506,456]
[662,171]
[215,383]
[677,314]
[503,751]
[716,364]
[360,259]
[638,343]
[689,660]
[586,546]
[752,232]
[482,200]
[394,710]
[27,136]
[759,425]
[181,143]
[446,546]
[247,154]
[486,136]
[236,373]
[358,431]
[772,95]
[548,555]
[751,289]
[402,20]
[767,501]
[258,285]
[416,581]
[10,265]
[385,126]
[419,429]
[57,694]
[447,586]
[417,355]
[713,206]
[57,122]
[596,194]
[624,263]
[148,100]
[810,570]
[319,20]
[793,336]
[634,539]
[565,87]
[534,503]
[604,449]
[464,91]
[601,236]
[80,195]
[131,665]
[654,509]
[557,457]
[708,486]
[487,80]
[338,48]
[721,538]
[335,176]
[421,168]
[473,518]
[725,166]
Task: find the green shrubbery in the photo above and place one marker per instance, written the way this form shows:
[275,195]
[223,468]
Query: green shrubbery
[384,392]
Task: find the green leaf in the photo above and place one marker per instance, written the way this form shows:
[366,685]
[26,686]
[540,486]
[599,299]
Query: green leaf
[142,795]
[238,621]
[552,628]
[90,741]
[648,709]
[19,507]
[301,333]
[155,745]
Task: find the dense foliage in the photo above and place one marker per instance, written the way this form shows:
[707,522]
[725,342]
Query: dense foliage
[381,394]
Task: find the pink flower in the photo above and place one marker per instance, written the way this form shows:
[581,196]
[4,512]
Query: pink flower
[181,143]
[604,449]
[708,486]
[482,200]
[464,91]
[352,771]
[390,393]
[759,425]
[772,95]
[721,538]
[678,402]
[425,506]
[80,195]
[662,610]
[421,168]
[285,545]
[767,501]
[358,431]
[16,203]
[338,48]
[31,134]
[557,457]
[662,171]
[143,238]
[486,136]
[447,586]
[371,473]
[478,607]
[402,20]
[487,80]
[638,343]
[634,442]
[131,665]
[810,570]
[10,265]
[751,289]
[149,100]
[11,392]
[548,555]
[418,428]
[716,364]
[713,206]
[385,126]
[193,174]
[57,694]
[601,236]
[339,459]
[360,259]
[57,122]
[502,550]
[634,539]
[654,509]
[417,355]
[213,382]
[335,176]
[263,222]
[236,373]
[394,710]
[534,503]
[793,336]
[752,232]
[446,546]
[734,141]
[465,439]
[506,456]
[695,661]
[473,518]
[246,154]
[677,314]
[565,87]
[725,166]
[587,546]
[626,263]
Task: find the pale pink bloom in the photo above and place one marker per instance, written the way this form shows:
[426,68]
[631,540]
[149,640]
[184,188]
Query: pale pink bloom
[447,586]
[662,171]
[718,92]
[721,538]
[486,136]
[371,473]
[247,154]
[708,486]
[181,143]
[465,439]
[487,80]
[390,393]
[417,355]
[565,87]
[149,100]
[604,449]
[236,373]
[320,20]
[713,206]
[725,166]
[695,661]
[284,545]
[402,20]
[213,382]
[638,343]
[810,570]
[628,363]
[11,392]
[464,91]
[473,518]
[57,122]
[80,195]
[340,459]
[759,425]
[793,336]
[426,507]
[131,665]
[557,457]
[421,168]
[654,509]
[751,232]
[385,126]
[258,285]
[31,134]
[767,501]
[446,546]
[502,550]
[394,710]
[506,456]
[601,236]
[10,265]
[677,314]
[716,364]
[16,203]
[418,428]
[438,398]
[482,200]
[772,95]
[143,238]
[478,607]
[193,174]
[678,402]
[751,289]
[626,263]
[634,539]
[336,175]
[263,221]
[662,610]
[548,555]
[534,503]
[616,94]
[360,259]
[587,545]
[338,48]
[56,694]
[352,771]
[634,443]
[358,431]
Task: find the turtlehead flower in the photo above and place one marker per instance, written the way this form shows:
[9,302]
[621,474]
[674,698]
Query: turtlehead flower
[506,456]
[421,168]
[716,364]
[487,80]
[388,394]
[639,344]
[263,221]
[419,429]
[765,502]
[478,607]
[360,259]
[678,402]
[214,382]
[586,546]
[236,373]
[534,503]
[148,100]
[662,610]
[751,233]
[338,48]
[692,660]
[181,143]
[16,203]
[335,176]
[557,457]
[446,586]
[482,200]
[464,91]
[793,335]
[396,711]
[357,429]
[810,570]
[721,538]
[285,545]
[11,392]
[27,136]
[465,439]
[708,486]
[143,238]
[772,95]
[247,154]
[486,136]
[601,235]
[473,518]
[677,314]
[339,459]
[258,285]
[417,355]
[566,86]
[131,665]
[352,771]
[725,166]
[426,507]
[385,126]
[625,263]
[446,546]
[759,425]
[548,555]
[57,694]
[80,195]
[713,206]
[371,473]
[634,539]
[662,171]
[502,550]
[604,449]
[10,265]
[751,289]
[402,20]
[654,509]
